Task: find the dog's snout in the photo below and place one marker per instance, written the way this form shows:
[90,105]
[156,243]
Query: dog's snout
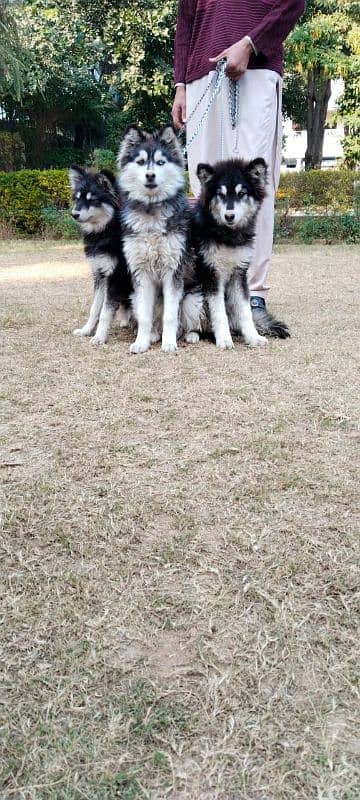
[75,214]
[150,176]
[229,216]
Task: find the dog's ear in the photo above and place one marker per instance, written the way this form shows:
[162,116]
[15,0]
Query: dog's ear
[257,170]
[167,134]
[107,179]
[204,173]
[133,136]
[75,175]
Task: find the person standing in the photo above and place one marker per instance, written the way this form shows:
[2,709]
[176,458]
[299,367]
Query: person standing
[249,34]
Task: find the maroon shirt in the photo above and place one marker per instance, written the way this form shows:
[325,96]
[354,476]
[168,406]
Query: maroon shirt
[206,27]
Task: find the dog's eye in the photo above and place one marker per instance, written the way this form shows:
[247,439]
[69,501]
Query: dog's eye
[160,163]
[141,161]
[221,195]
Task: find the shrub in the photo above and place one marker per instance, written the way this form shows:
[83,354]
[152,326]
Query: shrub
[58,224]
[102,159]
[12,151]
[6,230]
[333,188]
[24,194]
[331,229]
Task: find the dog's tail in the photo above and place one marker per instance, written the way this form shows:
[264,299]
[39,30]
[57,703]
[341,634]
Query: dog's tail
[267,325]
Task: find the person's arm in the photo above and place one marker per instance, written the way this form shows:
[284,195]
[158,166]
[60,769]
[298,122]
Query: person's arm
[184,26]
[267,36]
[276,25]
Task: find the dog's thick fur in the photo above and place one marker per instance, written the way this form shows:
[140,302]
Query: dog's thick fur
[223,231]
[155,220]
[97,210]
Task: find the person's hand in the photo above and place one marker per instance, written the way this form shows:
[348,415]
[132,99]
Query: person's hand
[179,107]
[237,57]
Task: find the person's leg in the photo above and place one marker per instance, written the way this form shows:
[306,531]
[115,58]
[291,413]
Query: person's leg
[258,133]
[206,145]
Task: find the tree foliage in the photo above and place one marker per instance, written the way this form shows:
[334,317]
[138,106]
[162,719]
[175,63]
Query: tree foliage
[323,46]
[74,74]
[10,52]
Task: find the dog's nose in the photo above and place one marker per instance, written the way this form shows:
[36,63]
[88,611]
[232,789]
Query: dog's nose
[75,214]
[150,177]
[229,216]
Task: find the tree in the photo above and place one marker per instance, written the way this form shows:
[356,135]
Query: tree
[322,47]
[349,108]
[92,68]
[10,53]
[294,104]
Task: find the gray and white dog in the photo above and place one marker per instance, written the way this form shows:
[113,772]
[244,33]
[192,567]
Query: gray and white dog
[155,231]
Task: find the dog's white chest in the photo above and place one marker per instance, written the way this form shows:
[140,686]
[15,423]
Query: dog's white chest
[154,251]
[226,259]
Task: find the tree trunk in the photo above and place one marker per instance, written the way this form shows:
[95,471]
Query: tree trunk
[319,91]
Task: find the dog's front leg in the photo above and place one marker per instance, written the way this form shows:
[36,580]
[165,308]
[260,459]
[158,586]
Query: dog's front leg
[143,303]
[124,316]
[219,320]
[172,292]
[96,306]
[239,310]
[108,311]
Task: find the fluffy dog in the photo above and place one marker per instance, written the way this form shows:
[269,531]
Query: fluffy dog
[155,219]
[97,210]
[223,231]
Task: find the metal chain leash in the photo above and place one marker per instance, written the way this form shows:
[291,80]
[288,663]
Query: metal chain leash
[215,84]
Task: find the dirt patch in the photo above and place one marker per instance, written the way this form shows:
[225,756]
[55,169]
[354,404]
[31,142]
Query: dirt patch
[179,547]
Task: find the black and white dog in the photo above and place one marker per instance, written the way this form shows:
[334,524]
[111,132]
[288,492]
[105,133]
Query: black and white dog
[155,219]
[97,210]
[223,231]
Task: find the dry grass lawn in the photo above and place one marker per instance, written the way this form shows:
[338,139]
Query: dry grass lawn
[179,541]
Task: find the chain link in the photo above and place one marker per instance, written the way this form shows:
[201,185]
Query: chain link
[215,85]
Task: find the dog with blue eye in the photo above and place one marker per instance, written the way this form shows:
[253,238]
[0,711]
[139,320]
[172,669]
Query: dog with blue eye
[155,231]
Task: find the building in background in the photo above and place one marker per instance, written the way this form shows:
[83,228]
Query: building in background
[295,140]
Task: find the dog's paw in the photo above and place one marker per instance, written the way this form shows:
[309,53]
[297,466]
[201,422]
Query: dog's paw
[96,340]
[257,341]
[169,347]
[139,347]
[81,332]
[225,344]
[192,337]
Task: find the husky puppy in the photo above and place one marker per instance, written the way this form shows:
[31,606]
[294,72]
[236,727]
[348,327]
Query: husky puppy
[155,219]
[223,230]
[97,210]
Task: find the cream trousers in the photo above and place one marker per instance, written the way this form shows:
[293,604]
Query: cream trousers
[258,133]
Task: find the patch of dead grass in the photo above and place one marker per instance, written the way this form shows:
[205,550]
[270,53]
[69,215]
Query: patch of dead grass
[179,534]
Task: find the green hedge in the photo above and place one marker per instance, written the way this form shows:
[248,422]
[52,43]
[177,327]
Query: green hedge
[24,195]
[331,189]
[329,229]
